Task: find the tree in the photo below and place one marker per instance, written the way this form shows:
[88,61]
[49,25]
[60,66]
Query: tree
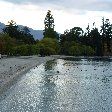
[49,21]
[21,35]
[26,30]
[73,42]
[26,37]
[11,29]
[106,31]
[48,46]
[76,33]
[49,27]
[77,49]
[95,42]
[6,44]
[86,38]
[73,34]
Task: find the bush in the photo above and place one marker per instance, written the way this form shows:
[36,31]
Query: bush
[48,46]
[25,50]
[77,49]
[6,44]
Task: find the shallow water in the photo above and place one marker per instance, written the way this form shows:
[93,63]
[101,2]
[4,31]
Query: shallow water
[63,85]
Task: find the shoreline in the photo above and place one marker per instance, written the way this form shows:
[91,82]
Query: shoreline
[13,68]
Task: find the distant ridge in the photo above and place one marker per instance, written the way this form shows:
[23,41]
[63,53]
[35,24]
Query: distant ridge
[37,34]
[1,26]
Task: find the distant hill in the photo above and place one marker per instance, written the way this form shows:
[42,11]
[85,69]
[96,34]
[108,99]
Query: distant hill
[1,26]
[37,34]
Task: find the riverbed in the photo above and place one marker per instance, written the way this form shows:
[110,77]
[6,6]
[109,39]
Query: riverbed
[62,85]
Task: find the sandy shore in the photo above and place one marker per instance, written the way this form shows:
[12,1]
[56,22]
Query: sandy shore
[11,68]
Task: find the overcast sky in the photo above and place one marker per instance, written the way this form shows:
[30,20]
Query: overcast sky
[67,13]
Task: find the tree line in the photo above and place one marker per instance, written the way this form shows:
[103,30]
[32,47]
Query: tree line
[16,41]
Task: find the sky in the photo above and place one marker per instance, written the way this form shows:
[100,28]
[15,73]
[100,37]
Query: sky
[67,13]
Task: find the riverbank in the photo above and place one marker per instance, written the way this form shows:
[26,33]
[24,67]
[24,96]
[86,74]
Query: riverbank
[12,68]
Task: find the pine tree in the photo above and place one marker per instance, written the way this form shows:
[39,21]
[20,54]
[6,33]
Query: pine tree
[49,26]
[106,30]
[11,29]
[49,21]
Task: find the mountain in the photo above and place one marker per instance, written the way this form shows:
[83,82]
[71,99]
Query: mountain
[37,34]
[1,26]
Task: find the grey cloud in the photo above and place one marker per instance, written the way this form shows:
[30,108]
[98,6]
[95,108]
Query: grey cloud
[89,5]
[31,1]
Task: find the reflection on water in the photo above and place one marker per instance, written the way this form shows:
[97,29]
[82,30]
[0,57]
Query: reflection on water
[50,65]
[72,85]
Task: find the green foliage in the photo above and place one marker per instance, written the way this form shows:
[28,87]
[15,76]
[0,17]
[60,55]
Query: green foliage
[75,42]
[22,35]
[50,33]
[49,21]
[86,40]
[74,34]
[76,49]
[25,50]
[35,49]
[87,50]
[21,50]
[11,29]
[106,30]
[26,37]
[93,38]
[49,27]
[48,46]
[95,41]
[6,44]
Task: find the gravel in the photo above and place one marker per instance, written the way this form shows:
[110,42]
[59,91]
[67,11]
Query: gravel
[11,68]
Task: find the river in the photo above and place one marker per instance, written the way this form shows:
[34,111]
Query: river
[63,85]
